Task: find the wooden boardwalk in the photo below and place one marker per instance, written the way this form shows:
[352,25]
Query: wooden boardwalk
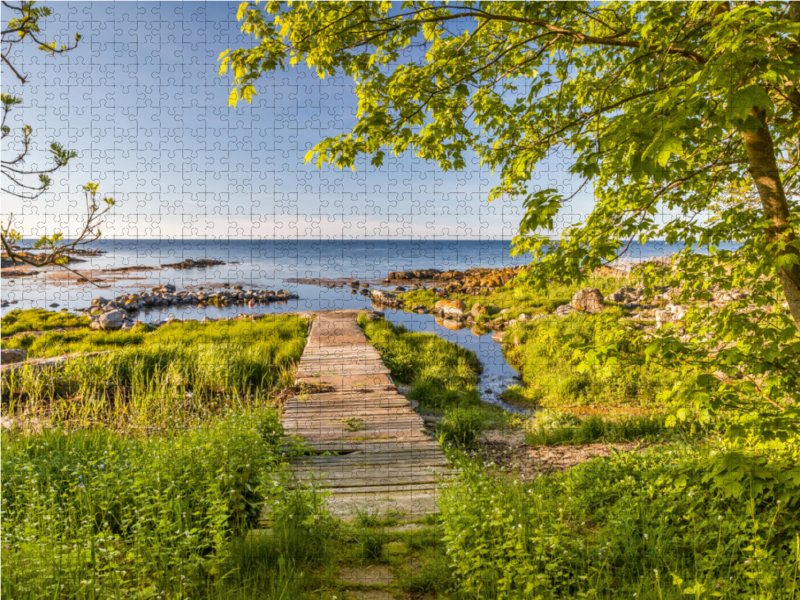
[374,454]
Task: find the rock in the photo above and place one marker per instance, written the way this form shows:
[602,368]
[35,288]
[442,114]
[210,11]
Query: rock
[563,310]
[454,308]
[55,305]
[623,294]
[99,301]
[355,284]
[588,300]
[399,288]
[673,313]
[13,355]
[498,336]
[478,309]
[110,321]
[523,318]
[194,264]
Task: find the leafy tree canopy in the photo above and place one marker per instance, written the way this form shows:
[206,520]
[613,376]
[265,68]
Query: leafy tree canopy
[683,117]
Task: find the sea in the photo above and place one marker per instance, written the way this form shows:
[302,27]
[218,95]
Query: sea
[274,264]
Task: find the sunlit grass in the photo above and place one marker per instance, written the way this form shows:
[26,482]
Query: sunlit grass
[178,372]
[39,319]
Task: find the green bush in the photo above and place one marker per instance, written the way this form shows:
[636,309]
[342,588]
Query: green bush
[461,427]
[39,319]
[666,523]
[92,514]
[548,353]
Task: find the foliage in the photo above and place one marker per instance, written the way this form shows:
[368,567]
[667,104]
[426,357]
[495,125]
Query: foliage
[651,525]
[92,514]
[39,319]
[179,373]
[665,110]
[411,357]
[461,427]
[550,355]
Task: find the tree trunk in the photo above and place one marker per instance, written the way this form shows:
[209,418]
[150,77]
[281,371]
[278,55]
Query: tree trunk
[767,177]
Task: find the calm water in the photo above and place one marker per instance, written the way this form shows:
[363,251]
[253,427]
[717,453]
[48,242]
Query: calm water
[268,264]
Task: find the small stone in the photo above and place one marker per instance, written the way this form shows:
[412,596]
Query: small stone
[13,355]
[55,305]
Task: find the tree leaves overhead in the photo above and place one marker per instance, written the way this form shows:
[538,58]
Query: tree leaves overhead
[671,111]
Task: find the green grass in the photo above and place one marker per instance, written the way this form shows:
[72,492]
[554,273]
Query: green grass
[176,374]
[414,357]
[38,319]
[666,523]
[553,428]
[94,514]
[547,353]
[442,375]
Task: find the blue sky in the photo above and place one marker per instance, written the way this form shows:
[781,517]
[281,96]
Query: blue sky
[142,103]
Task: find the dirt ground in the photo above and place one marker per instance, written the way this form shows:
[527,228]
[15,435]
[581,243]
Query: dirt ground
[507,448]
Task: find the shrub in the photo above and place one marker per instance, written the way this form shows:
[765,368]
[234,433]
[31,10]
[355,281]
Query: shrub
[93,514]
[461,427]
[666,523]
[548,352]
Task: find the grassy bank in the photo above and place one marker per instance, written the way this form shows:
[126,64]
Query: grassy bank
[141,473]
[442,378]
[175,374]
[547,353]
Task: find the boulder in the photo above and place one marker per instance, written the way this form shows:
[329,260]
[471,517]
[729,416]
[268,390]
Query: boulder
[478,309]
[453,308]
[588,300]
[13,355]
[111,321]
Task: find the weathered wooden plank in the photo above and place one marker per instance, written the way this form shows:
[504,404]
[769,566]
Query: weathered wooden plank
[386,450]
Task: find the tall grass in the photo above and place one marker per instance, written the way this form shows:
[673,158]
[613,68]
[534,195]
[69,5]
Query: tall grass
[95,514]
[176,374]
[556,428]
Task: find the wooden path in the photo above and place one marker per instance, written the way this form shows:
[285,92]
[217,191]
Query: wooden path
[377,457]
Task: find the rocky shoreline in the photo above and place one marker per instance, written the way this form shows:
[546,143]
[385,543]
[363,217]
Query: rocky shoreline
[111,315]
